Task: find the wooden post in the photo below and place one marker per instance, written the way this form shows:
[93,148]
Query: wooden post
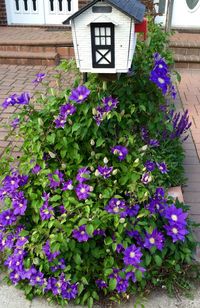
[168,23]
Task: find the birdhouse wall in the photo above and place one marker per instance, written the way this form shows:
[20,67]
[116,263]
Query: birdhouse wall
[125,39]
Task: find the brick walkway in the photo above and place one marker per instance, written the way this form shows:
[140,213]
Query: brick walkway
[189,90]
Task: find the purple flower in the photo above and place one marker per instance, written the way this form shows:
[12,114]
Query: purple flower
[53,285]
[83,191]
[122,285]
[150,165]
[105,171]
[99,116]
[37,279]
[19,203]
[175,215]
[132,255]
[59,265]
[136,235]
[181,125]
[67,109]
[81,235]
[21,241]
[24,98]
[162,81]
[47,250]
[154,239]
[176,231]
[99,232]
[162,167]
[55,179]
[46,211]
[39,78]
[79,94]
[154,143]
[116,206]
[69,291]
[14,99]
[36,169]
[83,175]
[101,284]
[60,121]
[146,178]
[62,209]
[15,277]
[109,103]
[7,218]
[131,275]
[120,248]
[120,151]
[15,123]
[68,185]
[114,274]
[132,210]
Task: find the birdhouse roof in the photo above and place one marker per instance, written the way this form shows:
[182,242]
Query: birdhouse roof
[132,8]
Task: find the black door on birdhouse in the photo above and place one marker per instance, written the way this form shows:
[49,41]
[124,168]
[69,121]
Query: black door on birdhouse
[103,49]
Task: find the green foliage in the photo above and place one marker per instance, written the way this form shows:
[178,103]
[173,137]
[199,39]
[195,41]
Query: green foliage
[82,143]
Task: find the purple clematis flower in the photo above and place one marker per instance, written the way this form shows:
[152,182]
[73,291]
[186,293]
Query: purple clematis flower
[83,175]
[15,123]
[55,179]
[68,185]
[67,109]
[81,235]
[105,171]
[146,178]
[60,121]
[154,239]
[101,284]
[122,285]
[39,78]
[176,231]
[132,255]
[36,169]
[7,218]
[154,143]
[116,206]
[175,215]
[69,291]
[150,165]
[47,250]
[46,211]
[83,191]
[99,116]
[15,277]
[37,279]
[109,103]
[79,94]
[120,151]
[131,275]
[162,167]
[19,203]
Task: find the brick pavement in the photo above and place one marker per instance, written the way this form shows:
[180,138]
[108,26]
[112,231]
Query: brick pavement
[189,90]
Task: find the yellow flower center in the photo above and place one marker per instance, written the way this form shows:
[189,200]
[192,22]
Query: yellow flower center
[161,80]
[132,254]
[82,232]
[174,230]
[152,240]
[80,97]
[38,279]
[82,190]
[174,217]
[116,209]
[7,217]
[110,103]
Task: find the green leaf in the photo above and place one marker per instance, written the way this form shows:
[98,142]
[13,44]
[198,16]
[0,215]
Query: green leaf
[80,288]
[158,260]
[90,302]
[112,284]
[147,259]
[55,198]
[108,241]
[75,127]
[90,229]
[138,275]
[24,233]
[99,142]
[77,259]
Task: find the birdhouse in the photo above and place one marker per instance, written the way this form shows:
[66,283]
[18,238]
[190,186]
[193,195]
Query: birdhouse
[104,35]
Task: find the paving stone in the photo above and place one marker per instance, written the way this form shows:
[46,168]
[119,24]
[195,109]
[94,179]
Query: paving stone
[10,297]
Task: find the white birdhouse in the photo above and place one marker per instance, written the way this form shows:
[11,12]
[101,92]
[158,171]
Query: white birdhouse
[104,35]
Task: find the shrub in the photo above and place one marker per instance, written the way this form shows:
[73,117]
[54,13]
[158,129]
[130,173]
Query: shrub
[86,213]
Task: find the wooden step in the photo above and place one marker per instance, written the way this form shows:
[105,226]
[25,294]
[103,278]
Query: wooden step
[29,58]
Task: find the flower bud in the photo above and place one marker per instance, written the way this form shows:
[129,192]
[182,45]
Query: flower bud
[94,112]
[144,148]
[70,122]
[122,220]
[115,182]
[64,166]
[123,113]
[70,187]
[136,161]
[107,250]
[92,153]
[105,160]
[92,168]
[97,173]
[92,142]
[100,196]
[115,172]
[91,188]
